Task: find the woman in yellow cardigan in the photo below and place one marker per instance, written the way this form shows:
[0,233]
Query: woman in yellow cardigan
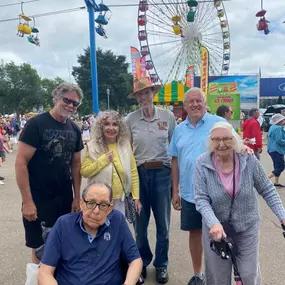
[109,158]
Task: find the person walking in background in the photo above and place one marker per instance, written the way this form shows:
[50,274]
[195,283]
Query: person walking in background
[48,165]
[251,130]
[276,147]
[151,128]
[23,122]
[85,131]
[229,207]
[2,155]
[109,158]
[15,129]
[225,112]
[187,143]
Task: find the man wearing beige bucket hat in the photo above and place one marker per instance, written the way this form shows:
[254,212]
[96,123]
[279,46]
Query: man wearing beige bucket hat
[276,147]
[151,129]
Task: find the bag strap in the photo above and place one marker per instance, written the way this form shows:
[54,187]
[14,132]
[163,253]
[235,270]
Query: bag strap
[234,187]
[119,178]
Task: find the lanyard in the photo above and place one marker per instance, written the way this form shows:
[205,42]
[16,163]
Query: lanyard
[234,187]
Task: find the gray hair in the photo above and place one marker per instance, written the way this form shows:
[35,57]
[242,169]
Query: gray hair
[97,183]
[64,88]
[97,130]
[237,141]
[192,91]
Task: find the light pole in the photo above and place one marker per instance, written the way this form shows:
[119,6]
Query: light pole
[108,98]
[92,7]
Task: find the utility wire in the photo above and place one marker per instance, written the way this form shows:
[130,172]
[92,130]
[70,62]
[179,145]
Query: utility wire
[47,14]
[84,8]
[18,3]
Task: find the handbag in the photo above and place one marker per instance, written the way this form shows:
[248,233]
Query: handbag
[227,225]
[130,209]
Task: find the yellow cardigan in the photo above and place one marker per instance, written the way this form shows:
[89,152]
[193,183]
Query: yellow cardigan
[91,168]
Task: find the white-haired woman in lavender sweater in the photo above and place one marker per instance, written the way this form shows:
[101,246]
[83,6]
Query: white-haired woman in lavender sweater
[226,185]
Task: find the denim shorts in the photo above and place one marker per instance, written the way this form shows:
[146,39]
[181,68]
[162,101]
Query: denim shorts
[190,218]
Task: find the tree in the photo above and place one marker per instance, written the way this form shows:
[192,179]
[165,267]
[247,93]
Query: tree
[47,86]
[20,89]
[112,74]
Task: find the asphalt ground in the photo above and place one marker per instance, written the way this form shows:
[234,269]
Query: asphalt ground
[14,255]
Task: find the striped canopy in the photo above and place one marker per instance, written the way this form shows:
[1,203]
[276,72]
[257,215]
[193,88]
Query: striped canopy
[171,92]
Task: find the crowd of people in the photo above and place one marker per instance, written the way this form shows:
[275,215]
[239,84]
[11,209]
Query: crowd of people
[9,130]
[137,165]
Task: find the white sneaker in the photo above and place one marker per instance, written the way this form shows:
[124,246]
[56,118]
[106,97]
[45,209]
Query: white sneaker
[1,182]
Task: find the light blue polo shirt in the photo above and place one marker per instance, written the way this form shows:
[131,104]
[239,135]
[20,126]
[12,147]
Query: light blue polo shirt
[187,144]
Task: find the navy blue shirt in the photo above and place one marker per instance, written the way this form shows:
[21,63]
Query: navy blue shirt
[80,260]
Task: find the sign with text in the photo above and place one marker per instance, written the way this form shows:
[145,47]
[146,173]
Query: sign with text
[231,100]
[204,70]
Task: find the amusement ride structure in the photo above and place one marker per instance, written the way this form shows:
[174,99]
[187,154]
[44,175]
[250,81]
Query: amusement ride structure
[171,35]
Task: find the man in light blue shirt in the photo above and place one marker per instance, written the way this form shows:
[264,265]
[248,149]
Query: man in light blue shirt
[187,143]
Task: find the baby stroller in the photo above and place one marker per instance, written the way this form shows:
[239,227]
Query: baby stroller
[227,250]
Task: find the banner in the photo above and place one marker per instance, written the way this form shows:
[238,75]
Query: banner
[247,86]
[231,100]
[190,75]
[136,63]
[143,69]
[204,70]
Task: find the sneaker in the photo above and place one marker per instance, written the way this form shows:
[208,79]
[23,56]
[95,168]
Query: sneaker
[195,280]
[279,185]
[1,182]
[161,275]
[2,178]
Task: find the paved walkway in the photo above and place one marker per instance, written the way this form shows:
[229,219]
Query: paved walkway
[14,255]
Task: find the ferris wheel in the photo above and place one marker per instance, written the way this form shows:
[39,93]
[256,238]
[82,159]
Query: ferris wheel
[172,32]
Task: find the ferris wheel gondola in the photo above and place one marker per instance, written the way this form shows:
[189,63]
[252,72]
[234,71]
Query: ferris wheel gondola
[171,35]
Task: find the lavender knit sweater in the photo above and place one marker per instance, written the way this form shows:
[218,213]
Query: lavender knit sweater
[213,201]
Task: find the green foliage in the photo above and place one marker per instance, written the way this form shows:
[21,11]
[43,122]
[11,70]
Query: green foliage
[112,73]
[22,89]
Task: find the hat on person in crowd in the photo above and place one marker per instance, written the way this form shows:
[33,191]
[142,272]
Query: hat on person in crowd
[142,84]
[277,118]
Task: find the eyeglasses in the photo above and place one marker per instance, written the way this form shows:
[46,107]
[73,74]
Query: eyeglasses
[226,141]
[70,101]
[91,205]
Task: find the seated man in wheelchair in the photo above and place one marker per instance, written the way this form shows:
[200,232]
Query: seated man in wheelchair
[92,246]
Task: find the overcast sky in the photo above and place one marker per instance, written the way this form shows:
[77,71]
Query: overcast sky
[64,36]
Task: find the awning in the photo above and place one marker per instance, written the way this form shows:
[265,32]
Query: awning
[171,92]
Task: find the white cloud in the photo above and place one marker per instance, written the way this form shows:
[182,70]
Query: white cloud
[63,37]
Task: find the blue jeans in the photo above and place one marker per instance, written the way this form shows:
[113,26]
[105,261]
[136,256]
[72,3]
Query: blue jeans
[155,194]
[278,163]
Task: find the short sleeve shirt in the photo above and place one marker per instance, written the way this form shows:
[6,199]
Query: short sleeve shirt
[50,167]
[92,260]
[189,142]
[150,139]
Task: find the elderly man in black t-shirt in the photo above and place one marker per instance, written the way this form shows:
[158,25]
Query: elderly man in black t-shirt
[48,165]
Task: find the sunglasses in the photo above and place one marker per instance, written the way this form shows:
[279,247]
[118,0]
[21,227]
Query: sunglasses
[70,101]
